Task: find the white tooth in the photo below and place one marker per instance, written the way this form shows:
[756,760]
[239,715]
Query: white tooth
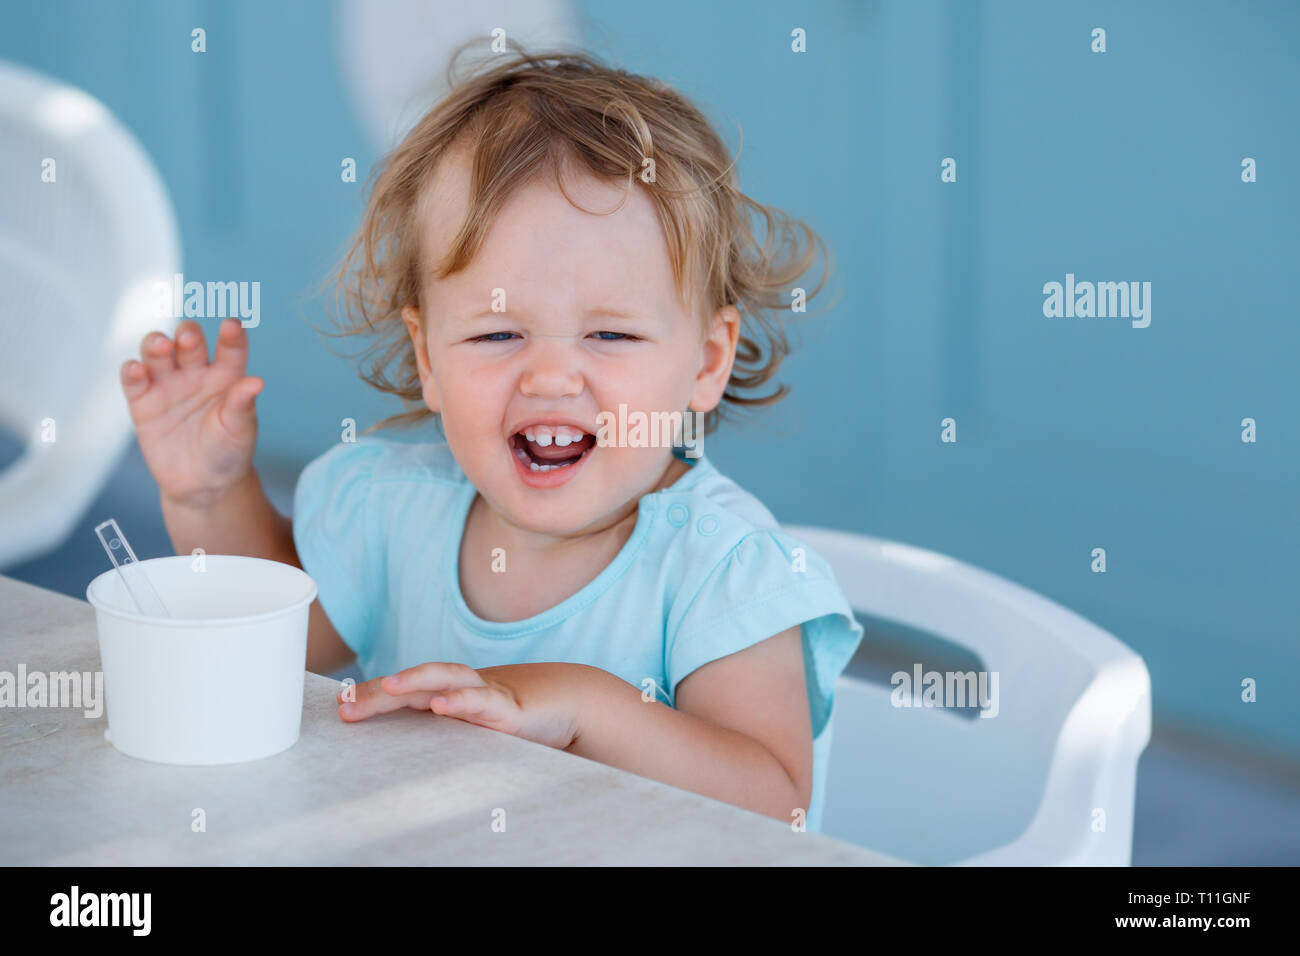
[564,439]
[528,433]
[543,438]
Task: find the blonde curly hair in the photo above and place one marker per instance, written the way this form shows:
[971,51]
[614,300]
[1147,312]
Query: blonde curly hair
[528,113]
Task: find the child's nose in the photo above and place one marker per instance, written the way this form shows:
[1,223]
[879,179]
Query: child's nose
[552,368]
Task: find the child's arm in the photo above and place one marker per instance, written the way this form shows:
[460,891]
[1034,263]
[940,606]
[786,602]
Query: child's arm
[741,734]
[197,428]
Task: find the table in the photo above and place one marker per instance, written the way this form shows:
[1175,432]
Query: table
[402,788]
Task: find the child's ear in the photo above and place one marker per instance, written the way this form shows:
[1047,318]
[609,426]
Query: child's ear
[718,354]
[415,329]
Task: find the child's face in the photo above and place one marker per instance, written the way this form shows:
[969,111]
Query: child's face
[529,335]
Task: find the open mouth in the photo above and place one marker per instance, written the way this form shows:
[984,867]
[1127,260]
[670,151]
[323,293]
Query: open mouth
[545,449]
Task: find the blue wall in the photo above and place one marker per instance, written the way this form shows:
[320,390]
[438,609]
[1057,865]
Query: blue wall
[1072,433]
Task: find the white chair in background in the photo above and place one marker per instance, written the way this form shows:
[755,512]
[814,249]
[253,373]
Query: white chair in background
[79,261]
[1049,780]
[394,65]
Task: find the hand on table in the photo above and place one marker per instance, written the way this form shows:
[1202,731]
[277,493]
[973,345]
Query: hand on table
[538,702]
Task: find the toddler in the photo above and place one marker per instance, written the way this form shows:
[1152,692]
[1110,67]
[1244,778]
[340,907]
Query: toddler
[553,257]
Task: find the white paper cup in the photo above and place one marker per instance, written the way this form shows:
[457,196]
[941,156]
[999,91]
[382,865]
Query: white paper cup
[220,681]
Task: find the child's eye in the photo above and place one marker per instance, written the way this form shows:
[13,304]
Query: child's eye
[604,336]
[617,337]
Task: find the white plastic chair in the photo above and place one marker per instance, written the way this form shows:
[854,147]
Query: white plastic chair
[79,259]
[1021,788]
[394,65]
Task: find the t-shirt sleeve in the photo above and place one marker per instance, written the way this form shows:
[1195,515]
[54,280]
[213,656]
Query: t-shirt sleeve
[334,530]
[767,583]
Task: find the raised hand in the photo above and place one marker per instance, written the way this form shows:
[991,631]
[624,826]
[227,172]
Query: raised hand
[194,418]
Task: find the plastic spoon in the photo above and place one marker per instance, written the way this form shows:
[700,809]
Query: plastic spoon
[120,553]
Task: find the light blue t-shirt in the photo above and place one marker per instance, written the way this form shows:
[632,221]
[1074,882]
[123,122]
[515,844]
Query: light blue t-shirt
[706,572]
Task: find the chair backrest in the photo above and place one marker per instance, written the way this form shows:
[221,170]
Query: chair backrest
[929,786]
[86,234]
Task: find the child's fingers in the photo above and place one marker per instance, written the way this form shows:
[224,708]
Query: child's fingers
[157,354]
[242,395]
[434,676]
[232,346]
[416,687]
[135,379]
[237,408]
[191,346]
[370,702]
[482,703]
[367,692]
